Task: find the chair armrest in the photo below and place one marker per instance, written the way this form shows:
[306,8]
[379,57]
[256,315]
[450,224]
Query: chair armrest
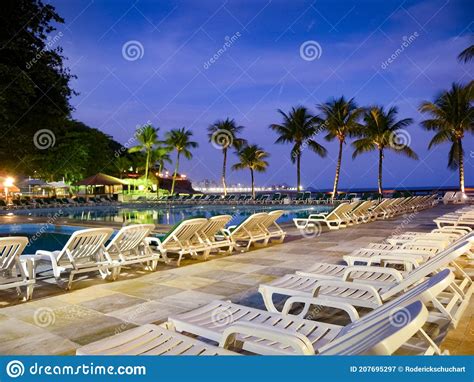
[345,284]
[43,255]
[308,301]
[153,241]
[381,270]
[297,341]
[320,215]
[226,231]
[408,262]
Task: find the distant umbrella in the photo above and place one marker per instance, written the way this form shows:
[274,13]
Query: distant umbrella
[60,184]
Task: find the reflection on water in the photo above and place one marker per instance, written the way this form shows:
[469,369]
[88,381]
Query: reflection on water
[173,215]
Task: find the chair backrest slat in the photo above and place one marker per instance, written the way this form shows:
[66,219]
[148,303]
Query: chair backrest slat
[85,243]
[130,237]
[10,249]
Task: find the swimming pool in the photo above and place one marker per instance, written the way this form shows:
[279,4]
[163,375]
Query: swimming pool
[48,237]
[168,214]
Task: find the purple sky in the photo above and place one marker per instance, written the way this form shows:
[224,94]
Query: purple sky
[172,85]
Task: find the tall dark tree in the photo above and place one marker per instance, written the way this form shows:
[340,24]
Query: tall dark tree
[252,157]
[299,127]
[379,133]
[180,141]
[451,118]
[224,134]
[467,54]
[34,83]
[340,120]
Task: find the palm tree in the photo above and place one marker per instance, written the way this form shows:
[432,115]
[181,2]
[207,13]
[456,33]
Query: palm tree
[340,120]
[159,156]
[180,140]
[452,116]
[224,134]
[467,54]
[122,164]
[381,131]
[147,137]
[252,157]
[299,128]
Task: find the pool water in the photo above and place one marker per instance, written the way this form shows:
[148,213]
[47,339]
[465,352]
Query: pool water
[46,236]
[171,215]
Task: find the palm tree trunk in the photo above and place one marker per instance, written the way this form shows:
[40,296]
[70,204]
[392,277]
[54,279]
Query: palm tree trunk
[224,164]
[158,180]
[298,172]
[338,170]
[380,170]
[461,167]
[175,174]
[146,169]
[253,185]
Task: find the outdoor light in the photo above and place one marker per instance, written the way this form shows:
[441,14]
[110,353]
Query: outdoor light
[8,182]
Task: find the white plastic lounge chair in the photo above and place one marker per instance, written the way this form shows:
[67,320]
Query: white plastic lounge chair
[367,294]
[212,229]
[383,336]
[129,247]
[362,213]
[182,239]
[417,250]
[447,231]
[274,231]
[272,333]
[334,219]
[151,340]
[464,220]
[14,271]
[84,252]
[249,232]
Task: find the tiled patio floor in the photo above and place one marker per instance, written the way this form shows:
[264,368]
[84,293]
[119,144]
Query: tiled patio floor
[57,322]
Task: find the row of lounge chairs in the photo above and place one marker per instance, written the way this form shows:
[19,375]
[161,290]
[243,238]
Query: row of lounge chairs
[458,197]
[388,310]
[269,199]
[357,212]
[95,249]
[463,216]
[31,203]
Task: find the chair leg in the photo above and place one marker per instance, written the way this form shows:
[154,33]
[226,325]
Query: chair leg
[268,299]
[29,291]
[179,258]
[69,283]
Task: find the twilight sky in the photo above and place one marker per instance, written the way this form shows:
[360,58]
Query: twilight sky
[173,83]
